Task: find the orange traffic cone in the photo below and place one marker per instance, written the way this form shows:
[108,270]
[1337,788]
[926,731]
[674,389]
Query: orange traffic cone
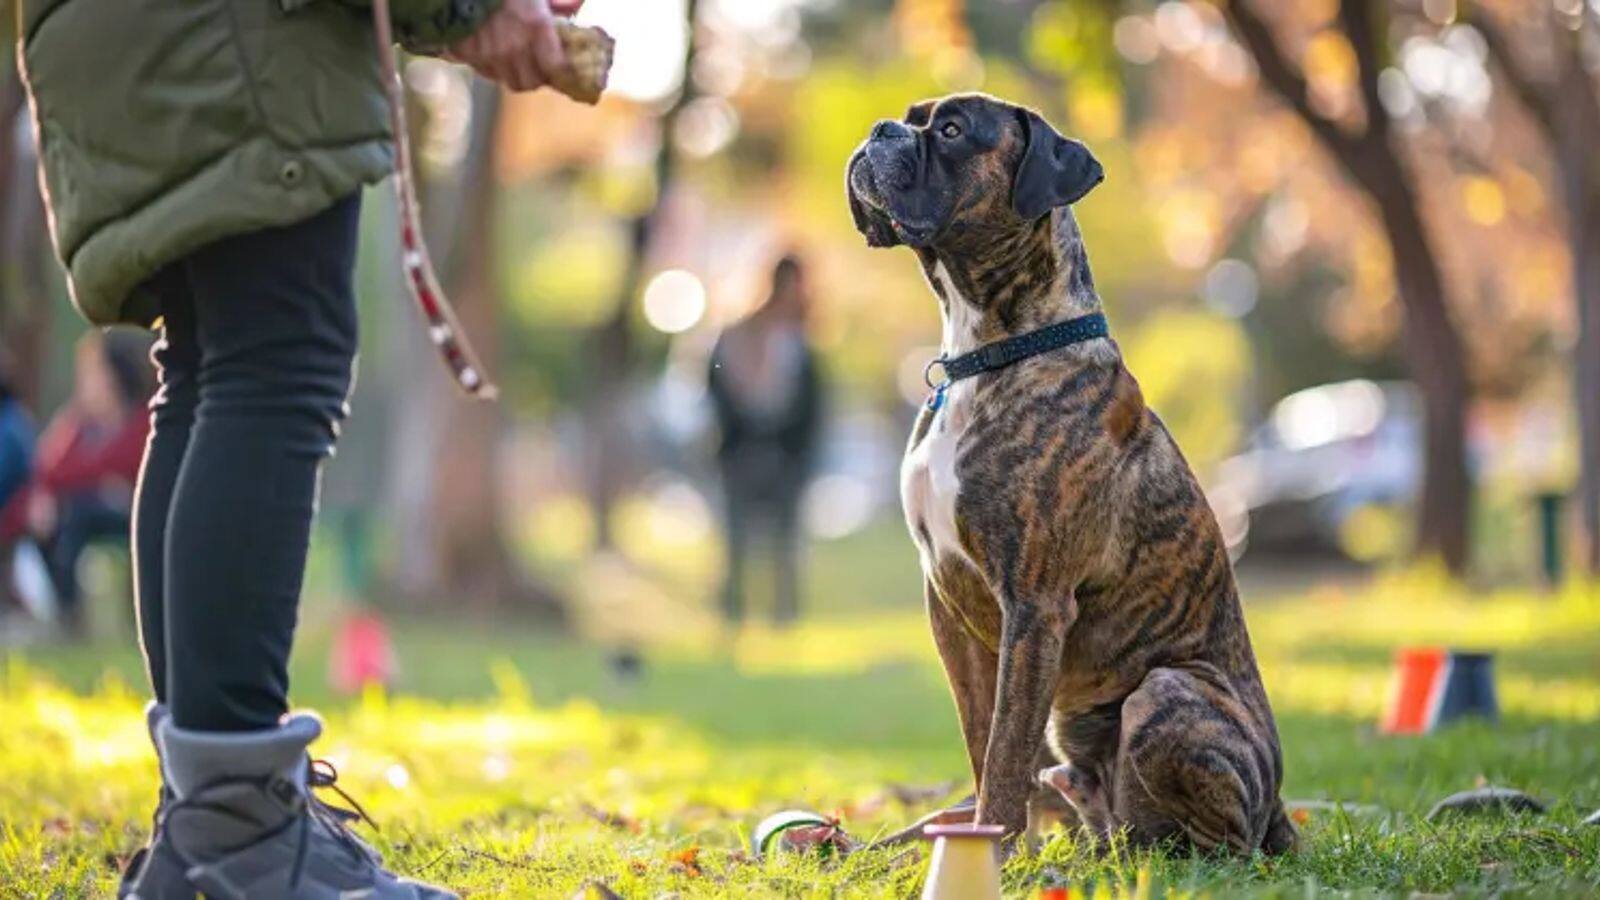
[966,862]
[362,654]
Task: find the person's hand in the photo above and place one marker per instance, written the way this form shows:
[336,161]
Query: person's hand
[517,46]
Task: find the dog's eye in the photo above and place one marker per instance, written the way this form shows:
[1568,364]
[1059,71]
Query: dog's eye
[950,130]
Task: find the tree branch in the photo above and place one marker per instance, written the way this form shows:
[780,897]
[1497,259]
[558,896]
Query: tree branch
[1536,95]
[1366,38]
[1284,80]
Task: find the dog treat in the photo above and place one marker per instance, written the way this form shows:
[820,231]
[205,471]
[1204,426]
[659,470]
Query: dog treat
[589,52]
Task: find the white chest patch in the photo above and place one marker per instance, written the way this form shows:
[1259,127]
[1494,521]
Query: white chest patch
[929,485]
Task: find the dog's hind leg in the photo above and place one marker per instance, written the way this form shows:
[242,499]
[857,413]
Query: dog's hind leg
[1192,765]
[1077,769]
[1281,837]
[1080,791]
[1049,805]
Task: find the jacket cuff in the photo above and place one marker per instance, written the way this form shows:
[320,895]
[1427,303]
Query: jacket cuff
[429,27]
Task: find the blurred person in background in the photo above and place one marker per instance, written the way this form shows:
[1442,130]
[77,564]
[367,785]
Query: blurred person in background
[16,439]
[203,165]
[87,461]
[767,390]
[17,436]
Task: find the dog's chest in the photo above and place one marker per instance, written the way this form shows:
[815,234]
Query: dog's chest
[930,484]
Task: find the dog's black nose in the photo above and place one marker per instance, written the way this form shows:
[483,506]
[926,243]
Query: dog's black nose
[890,130]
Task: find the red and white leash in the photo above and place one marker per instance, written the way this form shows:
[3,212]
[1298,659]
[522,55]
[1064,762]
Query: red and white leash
[444,330]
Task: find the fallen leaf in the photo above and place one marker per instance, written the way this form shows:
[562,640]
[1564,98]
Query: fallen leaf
[686,862]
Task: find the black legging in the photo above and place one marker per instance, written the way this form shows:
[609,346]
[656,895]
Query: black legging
[257,346]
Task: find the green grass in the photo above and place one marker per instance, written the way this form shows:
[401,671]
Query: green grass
[487,769]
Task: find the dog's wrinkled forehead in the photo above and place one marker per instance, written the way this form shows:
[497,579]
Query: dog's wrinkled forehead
[987,120]
[992,128]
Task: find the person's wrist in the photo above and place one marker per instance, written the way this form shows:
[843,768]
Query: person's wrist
[454,21]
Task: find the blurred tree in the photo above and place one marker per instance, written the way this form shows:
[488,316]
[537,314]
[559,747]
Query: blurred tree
[449,470]
[25,284]
[1367,153]
[1562,99]
[611,344]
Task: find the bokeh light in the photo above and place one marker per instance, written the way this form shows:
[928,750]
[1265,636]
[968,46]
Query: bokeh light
[674,301]
[651,38]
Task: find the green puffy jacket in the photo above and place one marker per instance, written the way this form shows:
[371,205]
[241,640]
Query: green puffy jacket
[164,125]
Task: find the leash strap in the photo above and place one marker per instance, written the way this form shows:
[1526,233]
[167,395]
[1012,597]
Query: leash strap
[444,330]
[1012,350]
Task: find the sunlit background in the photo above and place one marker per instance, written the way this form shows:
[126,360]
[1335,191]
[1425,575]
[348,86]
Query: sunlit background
[1245,267]
[1295,220]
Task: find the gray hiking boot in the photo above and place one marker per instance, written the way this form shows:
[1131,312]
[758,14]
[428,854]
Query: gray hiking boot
[152,873]
[245,826]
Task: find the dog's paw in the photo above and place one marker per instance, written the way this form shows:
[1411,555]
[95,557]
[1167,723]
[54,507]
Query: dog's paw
[1067,780]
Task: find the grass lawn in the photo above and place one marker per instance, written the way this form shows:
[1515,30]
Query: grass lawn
[517,764]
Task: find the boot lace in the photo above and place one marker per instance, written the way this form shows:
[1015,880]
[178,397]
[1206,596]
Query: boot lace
[321,774]
[324,775]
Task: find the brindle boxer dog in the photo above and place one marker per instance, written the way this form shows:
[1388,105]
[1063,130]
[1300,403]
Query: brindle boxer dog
[1079,590]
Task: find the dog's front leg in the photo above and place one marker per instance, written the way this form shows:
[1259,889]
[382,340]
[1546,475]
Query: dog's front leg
[971,669]
[1031,637]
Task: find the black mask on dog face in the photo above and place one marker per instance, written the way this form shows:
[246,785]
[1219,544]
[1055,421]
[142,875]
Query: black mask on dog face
[962,164]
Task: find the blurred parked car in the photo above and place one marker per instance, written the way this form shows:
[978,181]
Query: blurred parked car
[1324,454]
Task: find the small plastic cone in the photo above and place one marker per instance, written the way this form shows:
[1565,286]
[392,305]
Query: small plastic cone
[966,862]
[362,654]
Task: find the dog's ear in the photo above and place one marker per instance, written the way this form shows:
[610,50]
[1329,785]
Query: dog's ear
[918,114]
[872,223]
[1055,171]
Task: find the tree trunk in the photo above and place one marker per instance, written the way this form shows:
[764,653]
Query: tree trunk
[611,347]
[1566,110]
[611,344]
[1584,237]
[454,547]
[1435,359]
[1434,356]
[1433,348]
[1574,120]
[25,289]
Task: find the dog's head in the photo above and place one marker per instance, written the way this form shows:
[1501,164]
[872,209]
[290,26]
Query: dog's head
[963,164]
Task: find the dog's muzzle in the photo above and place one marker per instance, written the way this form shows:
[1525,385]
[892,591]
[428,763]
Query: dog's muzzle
[885,175]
